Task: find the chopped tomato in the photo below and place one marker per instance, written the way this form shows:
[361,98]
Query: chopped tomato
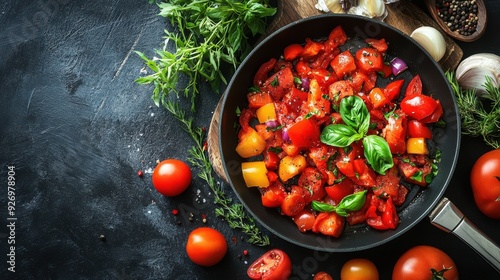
[418,129]
[292,51]
[304,220]
[312,180]
[258,99]
[263,72]
[379,44]
[280,83]
[271,160]
[386,70]
[337,36]
[329,223]
[311,48]
[304,133]
[302,68]
[365,176]
[343,64]
[393,89]
[395,133]
[435,115]
[273,195]
[369,60]
[386,218]
[340,190]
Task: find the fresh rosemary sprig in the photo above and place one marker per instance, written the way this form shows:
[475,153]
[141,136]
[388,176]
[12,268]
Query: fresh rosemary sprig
[478,120]
[209,33]
[233,213]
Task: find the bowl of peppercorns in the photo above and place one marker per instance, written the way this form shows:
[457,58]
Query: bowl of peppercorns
[463,20]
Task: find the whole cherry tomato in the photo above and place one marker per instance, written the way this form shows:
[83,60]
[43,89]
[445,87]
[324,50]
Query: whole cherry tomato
[322,276]
[359,269]
[206,246]
[424,262]
[171,177]
[485,182]
[274,264]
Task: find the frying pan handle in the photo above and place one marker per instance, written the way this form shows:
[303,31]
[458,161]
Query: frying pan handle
[449,218]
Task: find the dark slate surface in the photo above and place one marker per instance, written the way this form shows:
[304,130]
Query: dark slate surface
[76,128]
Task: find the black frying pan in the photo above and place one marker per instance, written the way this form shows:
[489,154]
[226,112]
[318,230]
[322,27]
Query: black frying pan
[419,202]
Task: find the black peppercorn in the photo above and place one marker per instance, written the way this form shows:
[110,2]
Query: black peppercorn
[459,15]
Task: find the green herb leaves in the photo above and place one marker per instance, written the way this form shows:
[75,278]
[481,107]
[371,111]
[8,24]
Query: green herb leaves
[356,117]
[349,203]
[210,33]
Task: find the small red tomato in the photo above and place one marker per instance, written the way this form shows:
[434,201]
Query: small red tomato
[322,276]
[206,246]
[423,263]
[275,264]
[171,177]
[485,182]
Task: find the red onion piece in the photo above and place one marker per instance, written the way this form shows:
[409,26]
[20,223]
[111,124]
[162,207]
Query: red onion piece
[271,123]
[398,66]
[284,135]
[305,83]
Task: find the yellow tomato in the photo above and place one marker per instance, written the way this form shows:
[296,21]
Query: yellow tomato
[255,174]
[251,144]
[291,166]
[416,146]
[266,113]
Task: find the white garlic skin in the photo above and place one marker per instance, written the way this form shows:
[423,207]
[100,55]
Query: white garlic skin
[431,40]
[471,73]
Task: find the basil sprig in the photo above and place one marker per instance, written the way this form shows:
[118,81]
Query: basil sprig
[356,117]
[349,203]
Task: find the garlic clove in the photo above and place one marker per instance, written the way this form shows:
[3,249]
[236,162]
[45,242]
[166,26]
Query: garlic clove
[431,40]
[334,6]
[471,73]
[374,8]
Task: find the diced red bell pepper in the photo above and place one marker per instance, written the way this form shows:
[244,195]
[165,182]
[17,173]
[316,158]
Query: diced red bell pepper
[263,72]
[291,52]
[393,89]
[379,44]
[343,64]
[304,133]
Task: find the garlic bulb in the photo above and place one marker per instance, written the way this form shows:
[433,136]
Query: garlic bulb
[471,73]
[431,40]
[373,8]
[334,6]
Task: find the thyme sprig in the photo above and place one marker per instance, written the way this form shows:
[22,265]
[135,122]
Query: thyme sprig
[233,213]
[477,119]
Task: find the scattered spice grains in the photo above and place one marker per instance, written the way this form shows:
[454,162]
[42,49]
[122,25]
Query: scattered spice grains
[204,218]
[175,212]
[140,173]
[460,15]
[102,238]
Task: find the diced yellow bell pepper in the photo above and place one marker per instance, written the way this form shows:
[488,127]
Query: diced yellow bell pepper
[266,113]
[291,166]
[416,146]
[251,144]
[255,174]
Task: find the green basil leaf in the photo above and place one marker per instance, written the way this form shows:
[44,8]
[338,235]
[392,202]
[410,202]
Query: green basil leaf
[322,207]
[352,202]
[339,135]
[355,113]
[377,153]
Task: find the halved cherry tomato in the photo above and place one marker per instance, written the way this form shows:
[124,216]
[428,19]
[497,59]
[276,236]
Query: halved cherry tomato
[304,220]
[359,269]
[343,64]
[274,264]
[304,133]
[418,129]
[393,89]
[206,246]
[425,262]
[414,86]
[369,60]
[485,182]
[418,106]
[292,51]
